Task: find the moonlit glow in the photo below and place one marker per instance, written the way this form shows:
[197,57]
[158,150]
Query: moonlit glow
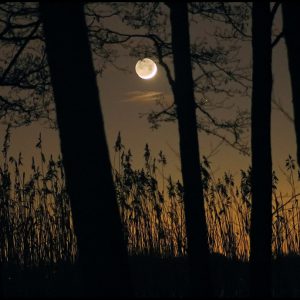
[146,68]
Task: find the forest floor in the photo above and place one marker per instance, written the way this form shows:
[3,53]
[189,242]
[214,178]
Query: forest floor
[153,277]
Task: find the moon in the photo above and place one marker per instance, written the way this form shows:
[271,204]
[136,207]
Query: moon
[146,68]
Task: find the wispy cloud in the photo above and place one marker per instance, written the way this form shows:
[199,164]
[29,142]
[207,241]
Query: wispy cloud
[143,96]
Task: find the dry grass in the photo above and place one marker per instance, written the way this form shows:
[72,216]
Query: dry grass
[35,216]
[36,221]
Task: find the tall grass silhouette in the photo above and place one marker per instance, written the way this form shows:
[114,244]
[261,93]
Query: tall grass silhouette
[35,215]
[36,221]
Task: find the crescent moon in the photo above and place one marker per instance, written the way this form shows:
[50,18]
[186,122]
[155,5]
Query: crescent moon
[146,68]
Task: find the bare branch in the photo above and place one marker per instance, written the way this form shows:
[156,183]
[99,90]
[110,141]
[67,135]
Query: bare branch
[277,39]
[13,61]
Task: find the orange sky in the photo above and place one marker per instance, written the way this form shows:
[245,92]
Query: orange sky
[124,95]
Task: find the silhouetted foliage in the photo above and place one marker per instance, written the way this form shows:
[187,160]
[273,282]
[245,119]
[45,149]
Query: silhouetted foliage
[161,222]
[26,94]
[24,76]
[39,208]
[227,207]
[219,74]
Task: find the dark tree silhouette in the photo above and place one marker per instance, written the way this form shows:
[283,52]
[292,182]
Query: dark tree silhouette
[198,251]
[213,65]
[261,176]
[291,23]
[102,252]
[26,72]
[24,76]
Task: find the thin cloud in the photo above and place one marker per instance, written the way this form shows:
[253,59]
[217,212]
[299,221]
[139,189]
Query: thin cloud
[143,96]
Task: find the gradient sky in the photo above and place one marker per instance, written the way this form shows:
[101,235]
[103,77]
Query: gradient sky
[124,96]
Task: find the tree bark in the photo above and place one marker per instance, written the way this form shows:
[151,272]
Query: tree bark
[291,25]
[261,176]
[102,251]
[196,229]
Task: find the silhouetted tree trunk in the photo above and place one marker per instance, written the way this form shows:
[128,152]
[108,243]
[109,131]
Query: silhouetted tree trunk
[102,251]
[197,239]
[261,214]
[291,25]
[1,281]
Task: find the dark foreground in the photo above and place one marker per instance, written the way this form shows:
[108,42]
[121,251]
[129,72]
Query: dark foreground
[152,277]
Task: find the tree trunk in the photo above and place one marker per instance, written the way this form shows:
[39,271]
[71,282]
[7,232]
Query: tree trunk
[291,25]
[102,251]
[197,239]
[261,214]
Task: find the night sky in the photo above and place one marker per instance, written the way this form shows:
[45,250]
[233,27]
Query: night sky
[124,96]
[76,226]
